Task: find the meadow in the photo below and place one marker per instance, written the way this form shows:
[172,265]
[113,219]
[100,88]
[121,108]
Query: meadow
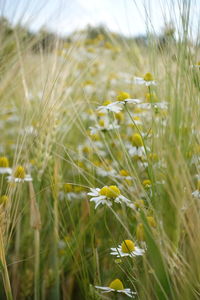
[99,167]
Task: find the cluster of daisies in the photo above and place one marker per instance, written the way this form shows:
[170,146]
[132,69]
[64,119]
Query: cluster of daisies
[111,116]
[125,118]
[126,249]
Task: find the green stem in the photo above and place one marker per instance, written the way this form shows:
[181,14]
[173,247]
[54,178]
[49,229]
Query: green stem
[55,291]
[37,265]
[6,279]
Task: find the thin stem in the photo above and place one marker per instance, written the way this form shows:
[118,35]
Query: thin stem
[6,279]
[37,265]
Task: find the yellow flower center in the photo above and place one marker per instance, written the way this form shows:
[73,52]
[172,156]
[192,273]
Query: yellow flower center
[87,150]
[20,172]
[123,173]
[95,137]
[111,191]
[4,162]
[128,246]
[146,182]
[123,96]
[116,285]
[137,140]
[88,82]
[101,123]
[67,187]
[148,77]
[106,102]
[151,221]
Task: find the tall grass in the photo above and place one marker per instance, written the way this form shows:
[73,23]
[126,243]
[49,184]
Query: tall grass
[54,244]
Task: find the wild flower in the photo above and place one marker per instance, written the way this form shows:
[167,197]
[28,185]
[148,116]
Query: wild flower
[136,149]
[113,107]
[19,175]
[116,286]
[107,195]
[4,165]
[103,126]
[147,80]
[124,175]
[127,248]
[122,96]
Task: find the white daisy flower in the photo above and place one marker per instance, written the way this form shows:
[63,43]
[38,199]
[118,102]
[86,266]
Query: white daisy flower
[4,166]
[19,175]
[89,89]
[114,107]
[196,65]
[117,287]
[196,194]
[5,170]
[130,101]
[124,175]
[104,173]
[136,151]
[146,80]
[94,130]
[29,130]
[127,248]
[107,195]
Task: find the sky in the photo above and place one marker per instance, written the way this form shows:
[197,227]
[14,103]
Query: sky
[128,17]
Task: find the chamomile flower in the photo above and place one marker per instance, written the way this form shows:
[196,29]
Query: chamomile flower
[147,80]
[123,174]
[4,165]
[196,65]
[102,172]
[107,195]
[116,107]
[113,107]
[19,175]
[127,248]
[122,96]
[103,126]
[131,101]
[117,287]
[136,149]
